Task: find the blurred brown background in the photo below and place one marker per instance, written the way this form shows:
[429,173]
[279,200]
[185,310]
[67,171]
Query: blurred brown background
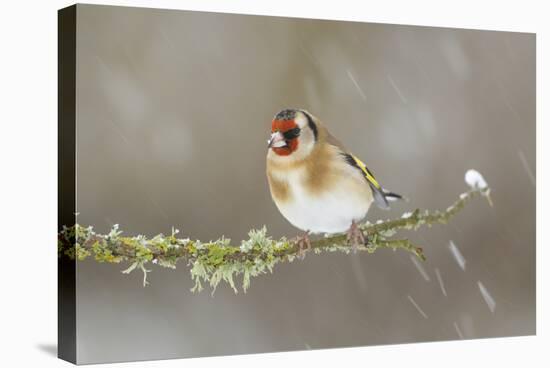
[174,110]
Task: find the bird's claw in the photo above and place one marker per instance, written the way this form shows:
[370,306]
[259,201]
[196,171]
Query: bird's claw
[355,236]
[304,244]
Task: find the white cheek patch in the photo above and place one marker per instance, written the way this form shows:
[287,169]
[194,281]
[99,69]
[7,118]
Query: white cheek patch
[300,121]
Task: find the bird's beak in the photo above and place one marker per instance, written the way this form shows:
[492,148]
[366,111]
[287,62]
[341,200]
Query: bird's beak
[276,140]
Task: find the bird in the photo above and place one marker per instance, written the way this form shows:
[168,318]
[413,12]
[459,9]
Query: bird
[316,183]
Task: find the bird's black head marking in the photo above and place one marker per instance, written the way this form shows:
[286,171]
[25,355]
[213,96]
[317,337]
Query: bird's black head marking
[292,133]
[311,125]
[287,114]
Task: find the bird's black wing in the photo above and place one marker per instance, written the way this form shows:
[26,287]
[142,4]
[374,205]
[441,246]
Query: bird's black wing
[379,194]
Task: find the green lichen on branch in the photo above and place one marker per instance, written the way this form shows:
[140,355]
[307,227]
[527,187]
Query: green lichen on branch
[216,261]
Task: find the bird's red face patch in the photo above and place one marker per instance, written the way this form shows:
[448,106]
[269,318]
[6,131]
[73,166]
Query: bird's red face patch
[283,126]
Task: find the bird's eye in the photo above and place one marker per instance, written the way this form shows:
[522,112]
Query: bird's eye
[292,133]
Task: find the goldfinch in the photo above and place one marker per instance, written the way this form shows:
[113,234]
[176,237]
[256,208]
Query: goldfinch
[318,185]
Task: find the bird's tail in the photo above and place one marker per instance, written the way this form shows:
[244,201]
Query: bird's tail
[383,197]
[392,197]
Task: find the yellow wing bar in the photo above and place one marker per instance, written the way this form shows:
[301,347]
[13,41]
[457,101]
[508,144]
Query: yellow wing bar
[366,171]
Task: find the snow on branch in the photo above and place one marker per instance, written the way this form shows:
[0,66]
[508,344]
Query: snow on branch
[215,261]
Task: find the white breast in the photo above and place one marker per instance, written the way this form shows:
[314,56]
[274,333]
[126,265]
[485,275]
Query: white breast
[331,211]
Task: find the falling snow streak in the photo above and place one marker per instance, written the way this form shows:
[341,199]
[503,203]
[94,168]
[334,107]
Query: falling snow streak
[527,168]
[117,131]
[420,268]
[487,297]
[357,86]
[417,307]
[307,54]
[458,331]
[440,279]
[394,86]
[159,208]
[457,255]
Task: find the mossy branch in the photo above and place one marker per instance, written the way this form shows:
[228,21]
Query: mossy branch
[215,261]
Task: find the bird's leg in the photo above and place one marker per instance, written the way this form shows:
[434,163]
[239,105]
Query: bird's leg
[303,242]
[355,236]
